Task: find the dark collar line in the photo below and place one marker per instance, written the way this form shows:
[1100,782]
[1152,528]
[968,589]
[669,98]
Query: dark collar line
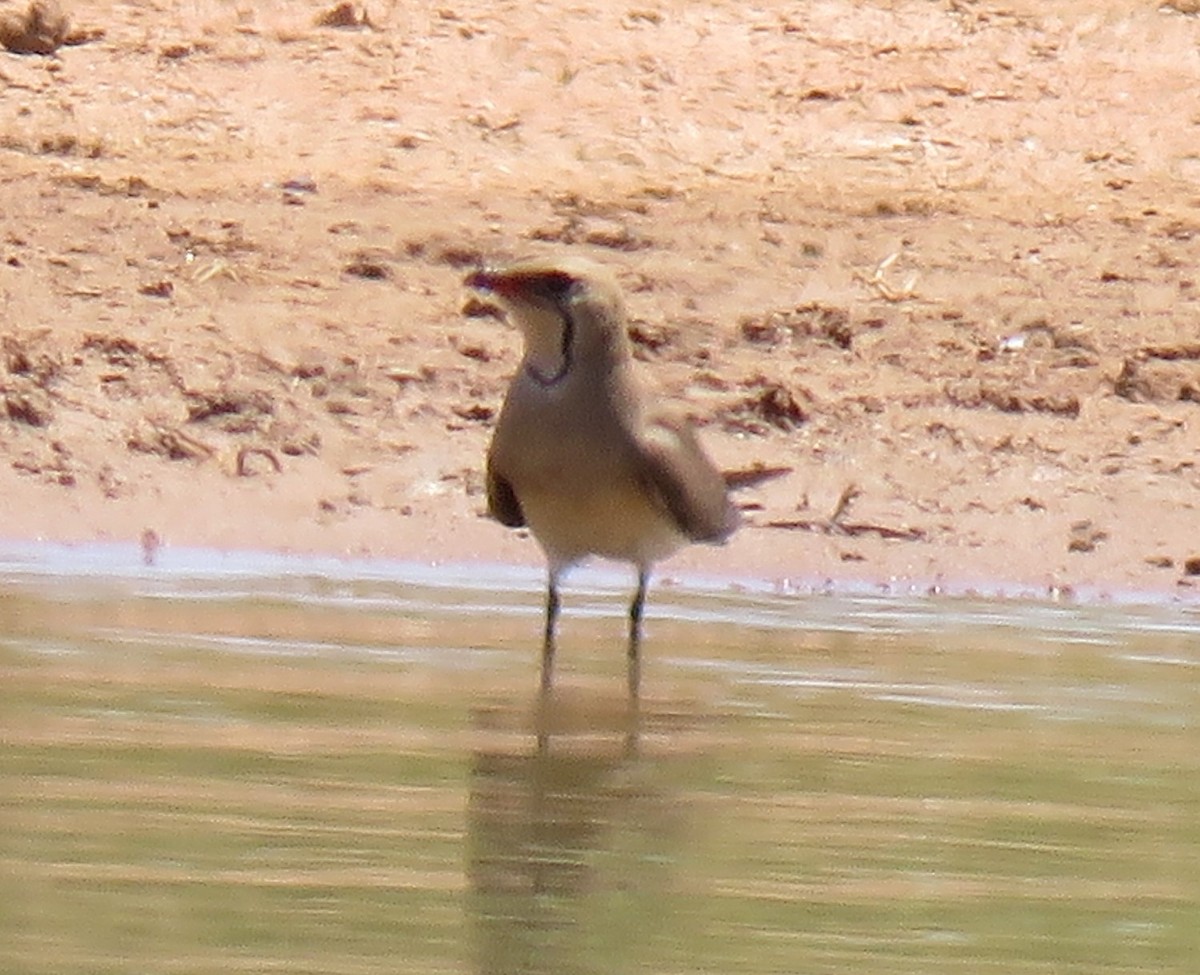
[568,349]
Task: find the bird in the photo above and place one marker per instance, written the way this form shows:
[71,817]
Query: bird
[582,454]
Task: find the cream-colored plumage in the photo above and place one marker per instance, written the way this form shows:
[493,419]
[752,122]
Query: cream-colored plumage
[580,453]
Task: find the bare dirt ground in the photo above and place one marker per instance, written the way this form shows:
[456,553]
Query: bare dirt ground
[938,258]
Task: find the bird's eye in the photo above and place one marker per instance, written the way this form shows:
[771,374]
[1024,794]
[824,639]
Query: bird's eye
[554,285]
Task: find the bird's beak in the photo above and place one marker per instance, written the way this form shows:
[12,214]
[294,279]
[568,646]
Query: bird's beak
[491,280]
[481,279]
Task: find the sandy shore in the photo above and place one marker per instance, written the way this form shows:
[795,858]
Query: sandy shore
[936,259]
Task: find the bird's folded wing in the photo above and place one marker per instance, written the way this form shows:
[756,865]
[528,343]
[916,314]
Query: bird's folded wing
[673,466]
[502,500]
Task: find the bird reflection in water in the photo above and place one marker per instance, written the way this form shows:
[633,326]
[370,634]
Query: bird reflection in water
[573,832]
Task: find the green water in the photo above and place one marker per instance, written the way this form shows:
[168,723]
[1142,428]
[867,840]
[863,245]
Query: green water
[239,768]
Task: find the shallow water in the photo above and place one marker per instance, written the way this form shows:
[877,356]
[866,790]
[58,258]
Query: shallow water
[264,764]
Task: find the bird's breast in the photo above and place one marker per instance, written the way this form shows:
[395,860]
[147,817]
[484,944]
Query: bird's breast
[569,460]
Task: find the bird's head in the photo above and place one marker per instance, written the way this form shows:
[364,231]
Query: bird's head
[569,311]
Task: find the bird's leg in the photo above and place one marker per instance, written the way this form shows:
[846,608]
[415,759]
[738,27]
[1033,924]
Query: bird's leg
[633,732]
[635,632]
[552,607]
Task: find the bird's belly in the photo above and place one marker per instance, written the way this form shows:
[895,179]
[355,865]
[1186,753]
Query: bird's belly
[613,524]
